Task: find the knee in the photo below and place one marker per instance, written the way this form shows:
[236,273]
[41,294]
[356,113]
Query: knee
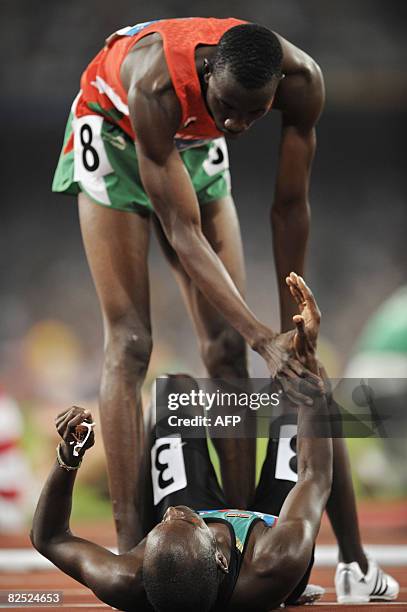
[128,347]
[225,354]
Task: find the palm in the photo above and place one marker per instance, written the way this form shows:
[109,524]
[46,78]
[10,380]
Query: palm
[309,315]
[310,323]
[299,343]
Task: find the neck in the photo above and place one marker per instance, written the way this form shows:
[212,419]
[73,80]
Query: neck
[202,53]
[223,538]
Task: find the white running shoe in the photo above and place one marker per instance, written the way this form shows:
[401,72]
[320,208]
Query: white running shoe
[353,586]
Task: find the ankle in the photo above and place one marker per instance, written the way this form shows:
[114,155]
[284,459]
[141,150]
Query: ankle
[358,556]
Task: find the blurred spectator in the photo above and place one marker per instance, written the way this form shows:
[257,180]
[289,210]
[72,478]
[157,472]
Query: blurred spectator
[15,478]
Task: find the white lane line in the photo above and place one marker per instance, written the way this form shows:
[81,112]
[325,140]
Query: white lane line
[27,559]
[394,556]
[331,604]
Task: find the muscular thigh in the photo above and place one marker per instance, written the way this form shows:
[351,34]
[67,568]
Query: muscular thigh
[116,245]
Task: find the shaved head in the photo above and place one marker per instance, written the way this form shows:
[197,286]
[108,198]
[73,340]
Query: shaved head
[179,569]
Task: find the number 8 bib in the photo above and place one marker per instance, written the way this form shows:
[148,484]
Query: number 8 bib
[90,160]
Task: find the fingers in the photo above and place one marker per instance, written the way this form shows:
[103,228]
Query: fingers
[306,294]
[299,287]
[83,435]
[297,389]
[299,370]
[298,283]
[299,323]
[290,387]
[66,421]
[294,369]
[295,366]
[309,298]
[294,290]
[70,411]
[300,390]
[301,342]
[62,415]
[62,422]
[72,423]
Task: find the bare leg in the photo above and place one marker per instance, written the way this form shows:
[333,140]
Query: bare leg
[223,349]
[116,245]
[341,508]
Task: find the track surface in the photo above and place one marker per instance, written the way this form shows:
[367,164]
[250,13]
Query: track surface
[381,524]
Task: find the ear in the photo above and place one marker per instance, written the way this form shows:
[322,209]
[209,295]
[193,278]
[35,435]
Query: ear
[207,69]
[221,562]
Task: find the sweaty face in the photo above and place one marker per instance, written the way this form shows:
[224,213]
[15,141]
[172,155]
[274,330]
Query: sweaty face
[234,108]
[185,514]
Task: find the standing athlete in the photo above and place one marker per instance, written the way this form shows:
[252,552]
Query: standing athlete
[145,145]
[195,555]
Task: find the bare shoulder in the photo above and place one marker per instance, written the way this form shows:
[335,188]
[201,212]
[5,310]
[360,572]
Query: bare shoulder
[145,65]
[274,566]
[154,108]
[260,587]
[124,589]
[301,94]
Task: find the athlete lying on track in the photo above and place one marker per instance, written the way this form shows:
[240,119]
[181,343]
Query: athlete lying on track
[212,559]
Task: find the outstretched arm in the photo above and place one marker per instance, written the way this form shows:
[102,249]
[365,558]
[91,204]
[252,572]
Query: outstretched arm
[156,119]
[156,115]
[113,578]
[291,542]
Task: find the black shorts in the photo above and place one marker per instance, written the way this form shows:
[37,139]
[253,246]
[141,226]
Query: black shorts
[182,474]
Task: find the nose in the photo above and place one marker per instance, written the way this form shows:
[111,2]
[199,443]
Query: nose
[173,513]
[236,126]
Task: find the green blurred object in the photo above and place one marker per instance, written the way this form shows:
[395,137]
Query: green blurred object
[90,505]
[387,329]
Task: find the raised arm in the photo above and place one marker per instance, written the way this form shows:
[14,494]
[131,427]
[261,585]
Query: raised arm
[300,98]
[113,578]
[289,548]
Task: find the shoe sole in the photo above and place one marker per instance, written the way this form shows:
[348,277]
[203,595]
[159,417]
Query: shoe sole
[349,599]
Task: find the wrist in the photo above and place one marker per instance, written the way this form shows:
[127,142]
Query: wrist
[261,340]
[311,364]
[65,457]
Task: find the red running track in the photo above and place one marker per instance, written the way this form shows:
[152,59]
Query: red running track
[382,523]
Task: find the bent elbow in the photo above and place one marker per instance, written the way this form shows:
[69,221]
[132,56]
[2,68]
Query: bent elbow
[41,544]
[32,537]
[38,543]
